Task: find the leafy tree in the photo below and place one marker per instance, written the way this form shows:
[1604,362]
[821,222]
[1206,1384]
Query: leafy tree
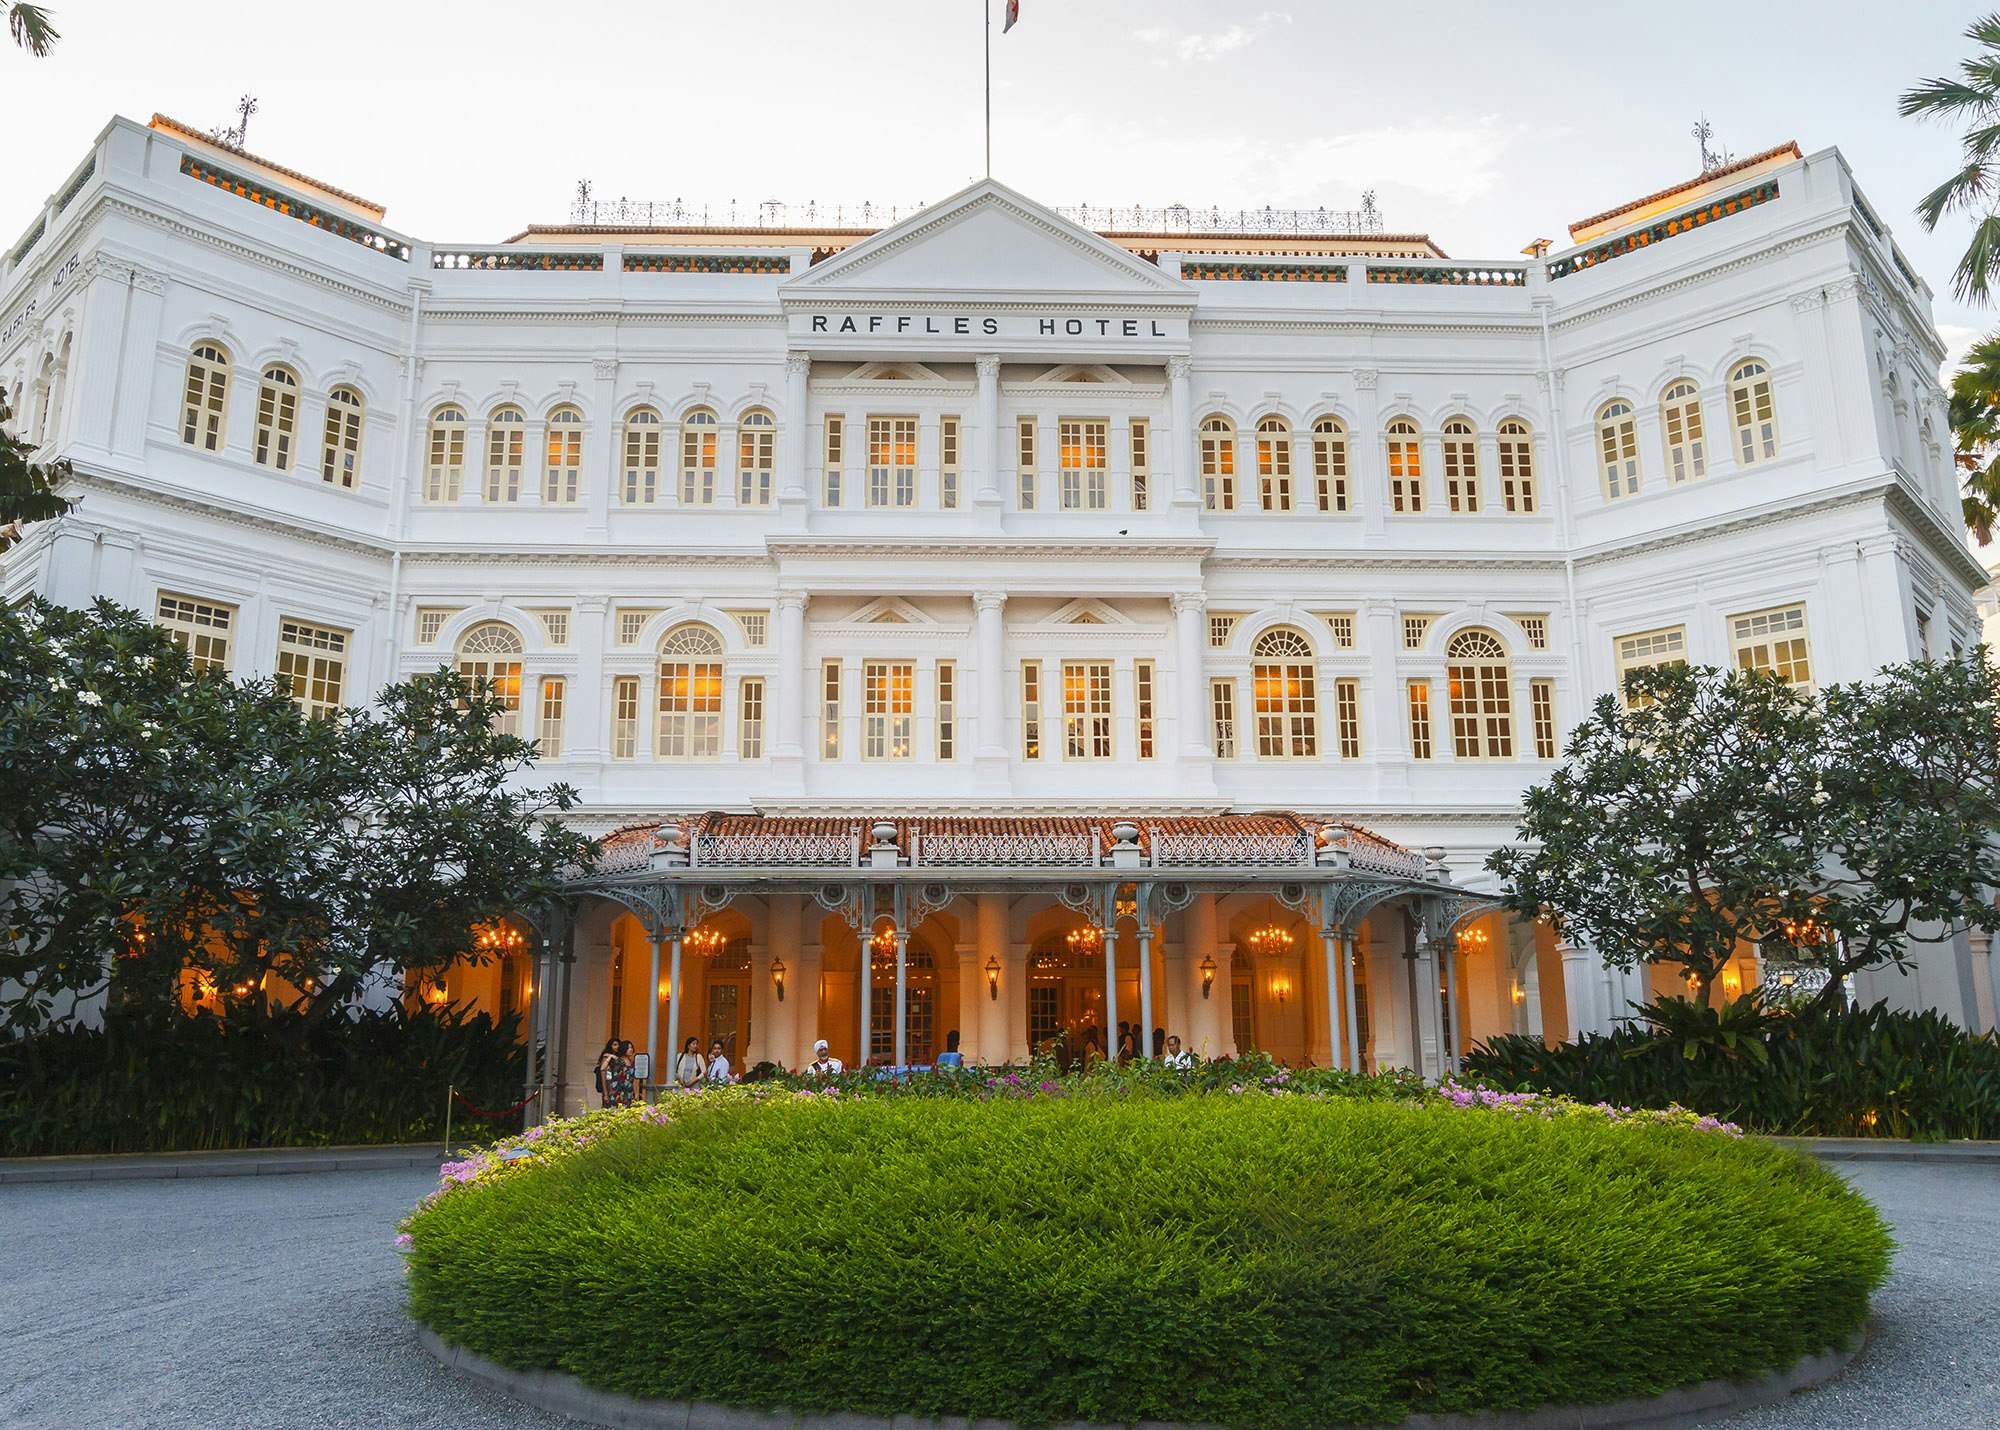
[1972,98]
[31,29]
[1726,809]
[1975,429]
[27,490]
[165,825]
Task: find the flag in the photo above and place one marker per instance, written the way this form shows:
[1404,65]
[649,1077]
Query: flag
[1013,14]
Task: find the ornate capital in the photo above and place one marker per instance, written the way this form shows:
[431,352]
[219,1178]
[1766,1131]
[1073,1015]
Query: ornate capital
[791,600]
[146,280]
[798,364]
[1189,602]
[1179,366]
[1365,378]
[1805,302]
[604,369]
[987,364]
[989,600]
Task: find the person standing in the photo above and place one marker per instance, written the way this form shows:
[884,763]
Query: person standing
[951,1057]
[601,1072]
[718,1064]
[824,1064]
[618,1077]
[1177,1057]
[688,1067]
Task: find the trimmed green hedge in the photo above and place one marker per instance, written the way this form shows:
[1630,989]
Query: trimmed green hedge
[1239,1261]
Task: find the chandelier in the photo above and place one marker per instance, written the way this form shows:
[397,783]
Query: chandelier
[1269,939]
[704,940]
[1087,939]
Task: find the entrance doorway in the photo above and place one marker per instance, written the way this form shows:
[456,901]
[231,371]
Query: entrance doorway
[920,1009]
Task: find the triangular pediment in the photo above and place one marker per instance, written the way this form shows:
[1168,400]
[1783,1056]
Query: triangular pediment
[893,372]
[1087,612]
[1085,372]
[888,611]
[991,239]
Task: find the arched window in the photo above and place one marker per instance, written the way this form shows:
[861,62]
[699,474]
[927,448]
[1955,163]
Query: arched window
[340,453]
[756,451]
[1330,463]
[1618,449]
[642,457]
[1461,465]
[1482,701]
[1756,417]
[1406,466]
[277,419]
[492,652]
[506,453]
[699,434]
[1218,464]
[690,694]
[1286,685]
[562,474]
[1517,466]
[1274,463]
[444,474]
[1680,423]
[206,397]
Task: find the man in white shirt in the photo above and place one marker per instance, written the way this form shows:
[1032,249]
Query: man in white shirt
[822,1064]
[1177,1056]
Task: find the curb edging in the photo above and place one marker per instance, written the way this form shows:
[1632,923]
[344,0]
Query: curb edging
[244,1162]
[565,1395]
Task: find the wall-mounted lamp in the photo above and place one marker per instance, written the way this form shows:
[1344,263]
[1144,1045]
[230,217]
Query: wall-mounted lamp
[778,977]
[665,992]
[1732,982]
[1207,974]
[992,978]
[1520,993]
[1282,986]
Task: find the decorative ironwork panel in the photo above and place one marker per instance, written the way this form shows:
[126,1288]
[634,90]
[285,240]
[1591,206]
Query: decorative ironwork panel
[1018,850]
[769,851]
[1213,851]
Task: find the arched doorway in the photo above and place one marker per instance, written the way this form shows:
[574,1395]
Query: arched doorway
[1066,990]
[922,1038]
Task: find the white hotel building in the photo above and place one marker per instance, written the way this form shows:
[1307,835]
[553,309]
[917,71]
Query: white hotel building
[893,569]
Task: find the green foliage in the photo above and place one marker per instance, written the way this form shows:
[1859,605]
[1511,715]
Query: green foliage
[181,1083]
[1972,99]
[1258,1071]
[27,489]
[1975,430]
[1815,1071]
[1235,1261]
[161,819]
[32,31]
[1728,809]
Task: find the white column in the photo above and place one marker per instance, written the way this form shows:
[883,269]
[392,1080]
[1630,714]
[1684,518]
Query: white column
[782,1044]
[1204,1033]
[789,684]
[760,1046]
[1179,447]
[1332,951]
[674,1000]
[1197,754]
[986,439]
[653,1014]
[972,1002]
[1146,989]
[792,450]
[93,389]
[990,672]
[138,362]
[867,998]
[994,1044]
[1579,990]
[605,469]
[902,996]
[1351,1043]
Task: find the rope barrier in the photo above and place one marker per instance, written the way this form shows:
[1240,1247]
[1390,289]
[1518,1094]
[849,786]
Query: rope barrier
[458,1098]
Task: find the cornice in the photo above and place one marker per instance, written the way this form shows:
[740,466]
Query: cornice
[319,277]
[594,310]
[1945,544]
[679,557]
[1281,561]
[1113,548]
[152,495]
[1372,321]
[1055,301]
[1693,274]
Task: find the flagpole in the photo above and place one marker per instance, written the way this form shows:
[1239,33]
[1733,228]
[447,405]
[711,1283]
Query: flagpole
[987,6]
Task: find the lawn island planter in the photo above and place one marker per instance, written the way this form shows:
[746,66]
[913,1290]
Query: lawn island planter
[1099,1251]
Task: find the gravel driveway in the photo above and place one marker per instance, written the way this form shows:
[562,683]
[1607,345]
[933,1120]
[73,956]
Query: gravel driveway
[277,1301]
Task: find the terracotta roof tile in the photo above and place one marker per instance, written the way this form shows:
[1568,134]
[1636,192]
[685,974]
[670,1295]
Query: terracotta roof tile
[1790,149]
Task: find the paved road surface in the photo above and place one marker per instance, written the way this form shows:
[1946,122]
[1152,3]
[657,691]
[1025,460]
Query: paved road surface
[277,1301]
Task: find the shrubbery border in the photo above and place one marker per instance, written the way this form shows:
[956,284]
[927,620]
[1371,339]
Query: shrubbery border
[565,1395]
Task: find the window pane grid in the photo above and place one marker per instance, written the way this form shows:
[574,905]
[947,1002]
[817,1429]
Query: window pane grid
[1774,643]
[948,463]
[1024,457]
[341,457]
[1142,469]
[1222,708]
[1420,720]
[756,458]
[835,440]
[1618,445]
[624,717]
[444,477]
[206,394]
[888,702]
[201,628]
[690,710]
[750,720]
[892,461]
[1461,466]
[549,735]
[700,437]
[1274,464]
[312,665]
[1086,711]
[1031,710]
[947,710]
[1517,467]
[642,457]
[1347,715]
[1680,422]
[1330,466]
[1406,467]
[562,469]
[1082,445]
[277,419]
[829,710]
[1218,464]
[1542,705]
[506,442]
[1142,686]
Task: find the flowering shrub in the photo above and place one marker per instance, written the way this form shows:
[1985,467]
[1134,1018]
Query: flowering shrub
[1048,1250]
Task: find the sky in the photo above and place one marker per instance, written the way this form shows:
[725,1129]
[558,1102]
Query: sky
[1485,126]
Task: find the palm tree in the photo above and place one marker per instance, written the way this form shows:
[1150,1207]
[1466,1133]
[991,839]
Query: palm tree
[30,27]
[1975,430]
[1974,99]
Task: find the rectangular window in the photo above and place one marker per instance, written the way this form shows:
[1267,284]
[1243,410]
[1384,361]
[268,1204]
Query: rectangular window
[624,717]
[1222,707]
[1221,629]
[1142,463]
[1406,467]
[1347,717]
[1082,450]
[1142,687]
[947,710]
[201,628]
[1086,710]
[690,710]
[444,478]
[1024,460]
[829,710]
[1535,628]
[1341,623]
[1415,630]
[1517,467]
[312,665]
[1774,643]
[430,623]
[1666,646]
[1330,465]
[1461,467]
[632,625]
[755,625]
[1274,465]
[750,720]
[892,461]
[1420,720]
[888,701]
[562,471]
[948,445]
[550,733]
[1542,707]
[835,431]
[642,459]
[555,624]
[1031,710]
